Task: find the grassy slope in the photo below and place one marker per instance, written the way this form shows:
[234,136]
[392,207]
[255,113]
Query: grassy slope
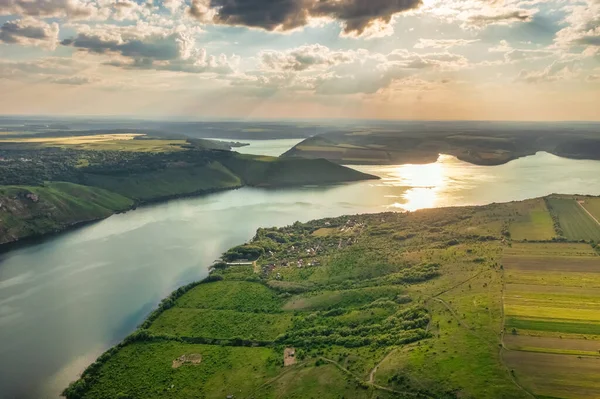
[168,183]
[59,205]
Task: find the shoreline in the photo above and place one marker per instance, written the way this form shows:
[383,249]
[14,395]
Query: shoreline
[34,239]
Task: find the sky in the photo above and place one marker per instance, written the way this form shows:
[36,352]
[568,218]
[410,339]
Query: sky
[375,59]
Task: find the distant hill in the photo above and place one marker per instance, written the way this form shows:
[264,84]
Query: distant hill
[422,143]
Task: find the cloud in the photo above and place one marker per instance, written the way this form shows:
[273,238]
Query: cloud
[306,57]
[443,61]
[39,69]
[30,32]
[500,18]
[443,43]
[502,47]
[154,49]
[582,25]
[558,70]
[73,80]
[478,14]
[72,9]
[356,16]
[321,70]
[592,78]
[515,55]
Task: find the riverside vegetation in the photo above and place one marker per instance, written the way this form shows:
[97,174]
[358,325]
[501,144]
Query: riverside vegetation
[497,301]
[50,183]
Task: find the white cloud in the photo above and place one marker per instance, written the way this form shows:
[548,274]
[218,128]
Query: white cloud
[477,14]
[583,25]
[558,70]
[306,57]
[72,9]
[443,43]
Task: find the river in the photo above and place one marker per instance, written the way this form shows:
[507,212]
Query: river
[65,300]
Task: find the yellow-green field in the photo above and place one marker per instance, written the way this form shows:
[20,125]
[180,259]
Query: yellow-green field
[533,222]
[552,318]
[106,142]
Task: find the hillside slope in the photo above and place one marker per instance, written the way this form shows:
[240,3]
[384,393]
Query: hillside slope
[268,171]
[27,211]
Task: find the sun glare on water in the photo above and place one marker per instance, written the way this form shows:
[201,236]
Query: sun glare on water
[425,183]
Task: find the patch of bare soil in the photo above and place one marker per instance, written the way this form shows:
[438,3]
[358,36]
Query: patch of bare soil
[289,357]
[193,359]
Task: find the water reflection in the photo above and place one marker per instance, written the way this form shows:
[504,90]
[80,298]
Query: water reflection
[426,182]
[451,182]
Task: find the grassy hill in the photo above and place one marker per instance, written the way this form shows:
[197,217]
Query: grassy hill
[36,210]
[269,171]
[475,302]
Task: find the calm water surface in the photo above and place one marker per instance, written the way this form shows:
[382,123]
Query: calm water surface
[66,300]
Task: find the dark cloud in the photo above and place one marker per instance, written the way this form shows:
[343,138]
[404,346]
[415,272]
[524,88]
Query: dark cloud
[172,52]
[588,40]
[160,49]
[29,32]
[12,31]
[356,15]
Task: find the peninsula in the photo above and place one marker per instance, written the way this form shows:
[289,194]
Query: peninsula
[466,302]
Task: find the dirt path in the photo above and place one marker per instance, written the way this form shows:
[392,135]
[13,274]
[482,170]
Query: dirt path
[372,373]
[380,387]
[588,212]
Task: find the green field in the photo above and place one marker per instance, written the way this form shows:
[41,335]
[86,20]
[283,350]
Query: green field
[592,205]
[576,224]
[552,316]
[232,295]
[563,326]
[221,324]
